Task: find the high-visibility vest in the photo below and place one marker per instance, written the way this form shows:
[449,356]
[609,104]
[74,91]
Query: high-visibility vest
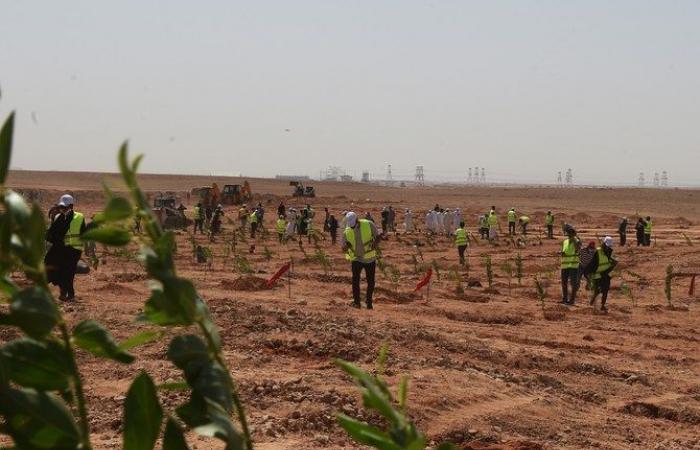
[493,220]
[549,219]
[367,240]
[511,216]
[603,264]
[197,211]
[72,237]
[570,257]
[525,219]
[254,217]
[460,237]
[281,225]
[647,227]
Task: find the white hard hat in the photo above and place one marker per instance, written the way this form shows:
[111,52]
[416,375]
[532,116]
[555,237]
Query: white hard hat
[608,241]
[66,200]
[351,219]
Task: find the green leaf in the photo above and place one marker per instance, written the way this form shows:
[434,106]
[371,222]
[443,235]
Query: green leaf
[118,208]
[39,365]
[175,304]
[34,312]
[107,235]
[175,386]
[189,353]
[174,438]
[143,337]
[142,414]
[6,146]
[34,238]
[373,396]
[36,419]
[220,426]
[212,383]
[94,338]
[366,434]
[16,207]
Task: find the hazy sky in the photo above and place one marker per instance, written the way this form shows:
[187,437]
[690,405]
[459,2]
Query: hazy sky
[523,88]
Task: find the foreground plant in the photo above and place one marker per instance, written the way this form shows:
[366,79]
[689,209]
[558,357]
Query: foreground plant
[42,399]
[399,433]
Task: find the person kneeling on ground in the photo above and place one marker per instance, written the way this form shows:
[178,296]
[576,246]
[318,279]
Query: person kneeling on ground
[360,241]
[603,263]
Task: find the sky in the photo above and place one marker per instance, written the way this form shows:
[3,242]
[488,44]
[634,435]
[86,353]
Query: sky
[522,88]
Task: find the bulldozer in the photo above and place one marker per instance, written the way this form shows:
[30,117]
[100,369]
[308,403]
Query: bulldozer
[235,194]
[168,214]
[302,191]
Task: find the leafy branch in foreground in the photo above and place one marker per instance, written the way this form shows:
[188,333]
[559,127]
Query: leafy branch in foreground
[43,401]
[174,301]
[400,433]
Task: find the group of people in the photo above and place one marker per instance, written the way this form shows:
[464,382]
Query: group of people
[360,239]
[594,263]
[643,229]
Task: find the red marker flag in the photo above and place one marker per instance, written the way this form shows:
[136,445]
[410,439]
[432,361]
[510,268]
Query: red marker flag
[425,280]
[278,274]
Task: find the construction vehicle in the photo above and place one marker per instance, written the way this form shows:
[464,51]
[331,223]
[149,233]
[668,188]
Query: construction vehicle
[235,194]
[232,194]
[301,191]
[168,213]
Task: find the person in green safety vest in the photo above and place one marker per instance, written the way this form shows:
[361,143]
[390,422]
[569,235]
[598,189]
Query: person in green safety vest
[493,224]
[523,221]
[461,242]
[647,231]
[511,221]
[280,227]
[66,247]
[198,217]
[360,242]
[549,223]
[602,264]
[571,247]
[253,218]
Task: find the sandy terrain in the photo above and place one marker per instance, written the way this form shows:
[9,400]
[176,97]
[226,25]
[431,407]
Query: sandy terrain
[487,369]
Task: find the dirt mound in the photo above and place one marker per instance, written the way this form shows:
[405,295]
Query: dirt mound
[392,296]
[332,278]
[248,283]
[652,411]
[486,317]
[128,277]
[114,288]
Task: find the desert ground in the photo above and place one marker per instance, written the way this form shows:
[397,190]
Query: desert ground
[489,368]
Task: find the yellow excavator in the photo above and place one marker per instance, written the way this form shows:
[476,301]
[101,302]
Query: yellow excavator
[232,194]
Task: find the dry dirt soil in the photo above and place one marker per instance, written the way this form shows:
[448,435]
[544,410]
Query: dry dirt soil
[488,368]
